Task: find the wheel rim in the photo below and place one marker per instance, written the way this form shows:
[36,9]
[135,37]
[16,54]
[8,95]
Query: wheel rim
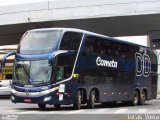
[93,100]
[79,101]
[135,99]
[142,98]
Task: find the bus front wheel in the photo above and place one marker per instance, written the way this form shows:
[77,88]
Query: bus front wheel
[77,102]
[42,106]
[91,100]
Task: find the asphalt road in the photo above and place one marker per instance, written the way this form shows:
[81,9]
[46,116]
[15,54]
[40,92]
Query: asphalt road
[119,111]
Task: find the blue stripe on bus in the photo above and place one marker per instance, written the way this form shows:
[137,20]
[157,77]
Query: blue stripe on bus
[33,89]
[32,57]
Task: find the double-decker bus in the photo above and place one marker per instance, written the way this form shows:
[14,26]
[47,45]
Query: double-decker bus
[61,66]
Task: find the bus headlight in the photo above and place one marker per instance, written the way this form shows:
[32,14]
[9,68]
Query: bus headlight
[12,97]
[47,99]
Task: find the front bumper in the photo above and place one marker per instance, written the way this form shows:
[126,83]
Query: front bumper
[45,96]
[49,96]
[37,100]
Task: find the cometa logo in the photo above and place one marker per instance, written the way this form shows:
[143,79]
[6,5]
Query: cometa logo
[106,63]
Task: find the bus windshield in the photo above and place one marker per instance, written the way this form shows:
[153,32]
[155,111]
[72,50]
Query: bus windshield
[39,42]
[31,72]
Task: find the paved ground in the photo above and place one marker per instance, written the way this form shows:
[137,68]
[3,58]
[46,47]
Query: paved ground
[152,106]
[119,111]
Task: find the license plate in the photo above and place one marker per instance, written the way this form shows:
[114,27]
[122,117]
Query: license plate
[27,100]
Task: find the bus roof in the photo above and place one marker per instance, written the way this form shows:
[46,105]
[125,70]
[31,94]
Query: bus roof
[89,33]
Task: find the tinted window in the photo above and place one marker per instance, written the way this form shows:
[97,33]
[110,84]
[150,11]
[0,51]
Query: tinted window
[105,76]
[102,46]
[95,45]
[64,67]
[71,41]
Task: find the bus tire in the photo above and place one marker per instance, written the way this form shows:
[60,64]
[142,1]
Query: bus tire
[135,98]
[57,106]
[42,106]
[142,98]
[91,100]
[77,102]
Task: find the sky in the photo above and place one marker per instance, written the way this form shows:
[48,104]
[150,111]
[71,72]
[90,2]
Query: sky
[141,40]
[11,2]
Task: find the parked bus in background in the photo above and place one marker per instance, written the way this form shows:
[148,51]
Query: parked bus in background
[61,66]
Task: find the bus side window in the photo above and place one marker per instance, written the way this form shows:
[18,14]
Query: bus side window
[88,49]
[71,41]
[64,67]
[93,46]
[59,73]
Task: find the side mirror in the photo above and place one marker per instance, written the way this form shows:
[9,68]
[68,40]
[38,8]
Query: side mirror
[59,53]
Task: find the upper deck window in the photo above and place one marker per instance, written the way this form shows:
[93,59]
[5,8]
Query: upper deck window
[101,46]
[39,42]
[71,41]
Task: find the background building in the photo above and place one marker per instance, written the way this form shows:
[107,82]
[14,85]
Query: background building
[6,72]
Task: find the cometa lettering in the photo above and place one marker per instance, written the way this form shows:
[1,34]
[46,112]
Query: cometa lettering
[106,63]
